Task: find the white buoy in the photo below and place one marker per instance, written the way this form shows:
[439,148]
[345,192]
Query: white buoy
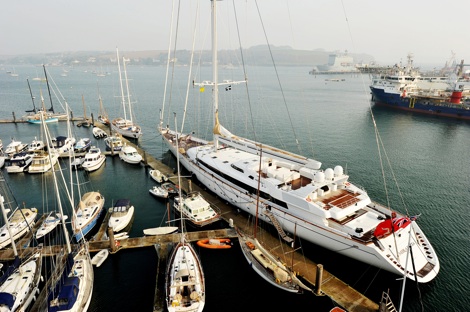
[230,222]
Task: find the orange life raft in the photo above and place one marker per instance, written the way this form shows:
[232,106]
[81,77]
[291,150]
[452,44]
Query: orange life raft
[215,243]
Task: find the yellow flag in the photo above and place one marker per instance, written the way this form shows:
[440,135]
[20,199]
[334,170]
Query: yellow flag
[201,89]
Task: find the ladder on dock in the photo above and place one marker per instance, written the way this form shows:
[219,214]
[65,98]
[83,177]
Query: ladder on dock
[386,304]
[278,226]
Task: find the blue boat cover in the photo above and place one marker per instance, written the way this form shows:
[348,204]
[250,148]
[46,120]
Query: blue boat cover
[10,269]
[7,299]
[122,203]
[68,294]
[58,289]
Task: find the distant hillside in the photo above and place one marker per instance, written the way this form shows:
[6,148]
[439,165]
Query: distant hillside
[259,55]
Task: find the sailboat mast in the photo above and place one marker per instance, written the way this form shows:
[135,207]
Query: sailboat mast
[127,89]
[56,187]
[32,97]
[179,182]
[48,88]
[257,192]
[7,223]
[120,82]
[84,107]
[215,88]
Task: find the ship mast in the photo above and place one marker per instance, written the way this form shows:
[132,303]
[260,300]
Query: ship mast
[215,87]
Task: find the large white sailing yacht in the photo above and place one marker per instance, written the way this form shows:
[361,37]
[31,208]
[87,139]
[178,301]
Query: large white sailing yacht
[319,205]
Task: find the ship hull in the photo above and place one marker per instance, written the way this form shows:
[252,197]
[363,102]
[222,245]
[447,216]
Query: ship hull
[419,105]
[294,219]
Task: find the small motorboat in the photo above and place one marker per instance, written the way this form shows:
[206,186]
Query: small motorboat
[99,258]
[215,243]
[93,159]
[162,230]
[159,191]
[36,145]
[121,237]
[122,214]
[171,188]
[99,133]
[130,155]
[113,143]
[15,147]
[77,163]
[83,145]
[19,162]
[158,176]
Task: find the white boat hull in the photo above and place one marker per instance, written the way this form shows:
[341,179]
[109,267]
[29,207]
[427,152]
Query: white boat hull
[310,227]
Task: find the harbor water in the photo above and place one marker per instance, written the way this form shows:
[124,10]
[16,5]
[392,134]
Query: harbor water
[332,123]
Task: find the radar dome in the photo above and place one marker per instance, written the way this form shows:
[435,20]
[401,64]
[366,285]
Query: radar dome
[338,171]
[319,177]
[329,174]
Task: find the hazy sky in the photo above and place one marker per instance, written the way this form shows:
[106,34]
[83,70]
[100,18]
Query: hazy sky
[388,30]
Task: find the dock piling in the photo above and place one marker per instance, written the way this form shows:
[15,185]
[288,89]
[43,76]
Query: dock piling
[319,279]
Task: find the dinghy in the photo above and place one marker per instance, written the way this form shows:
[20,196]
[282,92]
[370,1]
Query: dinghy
[99,258]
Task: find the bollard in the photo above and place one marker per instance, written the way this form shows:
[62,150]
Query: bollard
[319,279]
[112,242]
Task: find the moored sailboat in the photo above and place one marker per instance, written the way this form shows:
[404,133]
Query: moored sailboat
[19,284]
[185,283]
[125,126]
[103,115]
[70,282]
[20,222]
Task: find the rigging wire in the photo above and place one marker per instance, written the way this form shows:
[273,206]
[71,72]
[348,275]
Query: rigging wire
[278,80]
[383,157]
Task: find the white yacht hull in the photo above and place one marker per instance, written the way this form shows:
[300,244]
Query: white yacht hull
[311,227]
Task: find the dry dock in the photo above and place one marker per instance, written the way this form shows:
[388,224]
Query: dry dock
[331,286]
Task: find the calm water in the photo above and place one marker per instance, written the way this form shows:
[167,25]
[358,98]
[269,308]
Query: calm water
[333,124]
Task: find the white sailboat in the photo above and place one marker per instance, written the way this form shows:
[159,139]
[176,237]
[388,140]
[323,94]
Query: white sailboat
[71,284]
[321,205]
[185,283]
[44,160]
[125,126]
[49,224]
[102,115]
[19,284]
[20,222]
[269,267]
[122,215]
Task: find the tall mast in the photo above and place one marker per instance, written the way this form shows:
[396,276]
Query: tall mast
[54,177]
[215,87]
[32,97]
[180,201]
[48,88]
[120,82]
[127,89]
[7,224]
